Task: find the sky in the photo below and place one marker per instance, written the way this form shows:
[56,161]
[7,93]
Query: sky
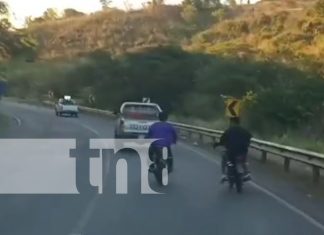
[20,9]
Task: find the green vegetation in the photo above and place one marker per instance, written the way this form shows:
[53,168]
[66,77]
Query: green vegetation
[184,57]
[12,43]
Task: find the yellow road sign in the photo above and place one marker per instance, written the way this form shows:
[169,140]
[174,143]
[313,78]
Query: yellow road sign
[233,107]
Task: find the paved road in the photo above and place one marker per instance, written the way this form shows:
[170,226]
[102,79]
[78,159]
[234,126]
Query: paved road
[193,203]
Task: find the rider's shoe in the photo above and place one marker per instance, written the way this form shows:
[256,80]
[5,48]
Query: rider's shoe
[247,177]
[152,167]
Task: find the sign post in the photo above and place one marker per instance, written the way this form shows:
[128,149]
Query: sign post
[234,106]
[146,100]
[50,94]
[91,99]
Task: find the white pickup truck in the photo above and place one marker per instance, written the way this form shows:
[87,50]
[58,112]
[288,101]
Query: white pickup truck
[135,118]
[66,106]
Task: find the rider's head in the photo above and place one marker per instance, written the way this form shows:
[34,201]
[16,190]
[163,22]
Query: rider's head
[234,121]
[163,116]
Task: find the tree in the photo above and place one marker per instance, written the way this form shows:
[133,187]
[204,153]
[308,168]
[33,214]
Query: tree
[219,14]
[4,11]
[128,5]
[232,3]
[3,8]
[189,13]
[202,4]
[70,12]
[50,14]
[5,24]
[212,3]
[28,21]
[197,4]
[105,3]
[155,3]
[10,41]
[38,20]
[319,7]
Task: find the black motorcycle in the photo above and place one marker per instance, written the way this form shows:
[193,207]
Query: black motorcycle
[161,166]
[235,175]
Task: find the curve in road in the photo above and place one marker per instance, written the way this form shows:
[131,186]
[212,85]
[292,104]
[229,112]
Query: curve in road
[193,203]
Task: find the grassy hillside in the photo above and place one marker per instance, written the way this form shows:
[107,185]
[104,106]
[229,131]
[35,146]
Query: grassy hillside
[111,30]
[269,29]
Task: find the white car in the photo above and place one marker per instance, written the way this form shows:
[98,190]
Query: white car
[135,119]
[66,106]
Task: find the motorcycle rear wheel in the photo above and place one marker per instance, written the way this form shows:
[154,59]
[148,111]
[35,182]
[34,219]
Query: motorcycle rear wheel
[238,183]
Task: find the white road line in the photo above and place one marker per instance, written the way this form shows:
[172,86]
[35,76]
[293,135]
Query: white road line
[83,221]
[307,217]
[17,119]
[89,128]
[200,153]
[283,202]
[86,215]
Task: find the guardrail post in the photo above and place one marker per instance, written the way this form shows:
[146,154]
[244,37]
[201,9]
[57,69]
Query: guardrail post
[263,156]
[316,174]
[286,164]
[201,138]
[190,135]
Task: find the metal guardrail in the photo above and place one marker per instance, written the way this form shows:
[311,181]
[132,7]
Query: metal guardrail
[85,109]
[288,153]
[97,111]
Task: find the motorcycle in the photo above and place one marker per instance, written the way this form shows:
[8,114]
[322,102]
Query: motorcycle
[161,166]
[235,175]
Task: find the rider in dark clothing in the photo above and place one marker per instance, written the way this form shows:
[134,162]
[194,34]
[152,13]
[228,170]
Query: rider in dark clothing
[236,141]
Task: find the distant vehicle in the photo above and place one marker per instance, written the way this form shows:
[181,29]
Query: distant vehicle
[66,106]
[135,118]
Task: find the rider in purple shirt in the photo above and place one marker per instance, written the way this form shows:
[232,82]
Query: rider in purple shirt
[166,135]
[163,131]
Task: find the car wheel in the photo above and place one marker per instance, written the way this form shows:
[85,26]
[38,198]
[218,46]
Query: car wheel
[76,115]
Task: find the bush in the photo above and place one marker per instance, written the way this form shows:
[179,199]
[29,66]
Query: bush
[189,14]
[219,14]
[231,29]
[319,8]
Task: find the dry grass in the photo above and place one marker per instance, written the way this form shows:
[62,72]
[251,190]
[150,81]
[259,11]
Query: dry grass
[112,30]
[117,31]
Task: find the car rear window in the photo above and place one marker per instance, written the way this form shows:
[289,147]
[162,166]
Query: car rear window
[146,112]
[68,102]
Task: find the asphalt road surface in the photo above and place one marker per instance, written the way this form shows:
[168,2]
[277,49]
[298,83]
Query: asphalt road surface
[193,203]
